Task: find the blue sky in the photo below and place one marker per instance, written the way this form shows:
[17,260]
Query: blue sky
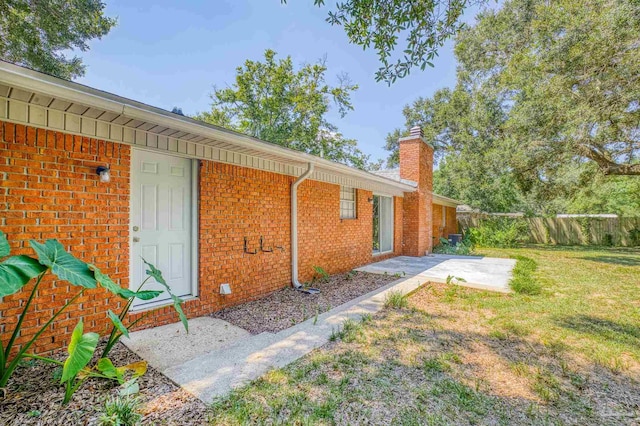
[171,53]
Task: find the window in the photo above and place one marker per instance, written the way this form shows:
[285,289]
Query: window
[382,224]
[347,203]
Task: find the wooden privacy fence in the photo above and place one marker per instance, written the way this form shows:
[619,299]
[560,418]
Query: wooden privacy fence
[610,231]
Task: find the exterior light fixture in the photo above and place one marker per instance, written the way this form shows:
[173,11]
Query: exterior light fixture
[370,200]
[104,173]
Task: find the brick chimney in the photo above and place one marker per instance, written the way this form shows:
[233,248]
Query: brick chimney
[416,164]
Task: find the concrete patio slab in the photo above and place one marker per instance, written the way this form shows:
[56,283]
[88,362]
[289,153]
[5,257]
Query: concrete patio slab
[170,344]
[487,273]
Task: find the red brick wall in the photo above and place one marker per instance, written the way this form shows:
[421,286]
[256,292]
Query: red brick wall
[451,226]
[49,189]
[325,240]
[416,164]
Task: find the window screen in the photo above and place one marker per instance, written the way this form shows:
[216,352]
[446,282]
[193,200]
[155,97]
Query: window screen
[347,203]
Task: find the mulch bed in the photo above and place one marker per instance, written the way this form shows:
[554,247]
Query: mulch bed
[34,397]
[288,307]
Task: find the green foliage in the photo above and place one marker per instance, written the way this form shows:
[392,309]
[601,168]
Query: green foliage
[523,281]
[396,299]
[273,101]
[119,329]
[451,279]
[320,274]
[564,97]
[540,120]
[404,34]
[36,34]
[66,267]
[121,411]
[81,349]
[17,271]
[464,247]
[499,232]
[351,330]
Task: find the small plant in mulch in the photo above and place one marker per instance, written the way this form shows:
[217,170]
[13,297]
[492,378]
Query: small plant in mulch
[53,259]
[320,274]
[121,411]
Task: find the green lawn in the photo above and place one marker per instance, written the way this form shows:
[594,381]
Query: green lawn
[566,353]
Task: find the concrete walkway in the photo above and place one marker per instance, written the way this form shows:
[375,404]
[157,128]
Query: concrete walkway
[486,273]
[217,356]
[228,365]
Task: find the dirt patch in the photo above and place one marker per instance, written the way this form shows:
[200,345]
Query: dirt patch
[288,307]
[34,397]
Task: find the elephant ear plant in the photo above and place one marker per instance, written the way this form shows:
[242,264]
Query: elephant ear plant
[17,271]
[119,329]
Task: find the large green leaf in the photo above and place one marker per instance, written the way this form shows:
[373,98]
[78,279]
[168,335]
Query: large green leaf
[81,349]
[5,250]
[106,367]
[177,302]
[64,265]
[17,271]
[119,325]
[105,281]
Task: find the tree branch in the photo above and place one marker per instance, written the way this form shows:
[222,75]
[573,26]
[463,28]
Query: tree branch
[606,164]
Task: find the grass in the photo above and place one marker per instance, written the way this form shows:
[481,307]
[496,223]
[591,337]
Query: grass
[565,349]
[396,299]
[523,281]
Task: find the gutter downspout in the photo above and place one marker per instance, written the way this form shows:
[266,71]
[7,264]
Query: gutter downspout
[294,231]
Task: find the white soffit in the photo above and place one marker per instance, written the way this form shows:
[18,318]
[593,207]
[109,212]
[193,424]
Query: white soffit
[39,100]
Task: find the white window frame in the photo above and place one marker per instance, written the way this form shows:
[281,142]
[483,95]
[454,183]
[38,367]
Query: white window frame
[392,221]
[348,206]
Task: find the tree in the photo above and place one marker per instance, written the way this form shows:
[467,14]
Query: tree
[425,26]
[35,34]
[568,72]
[272,101]
[531,78]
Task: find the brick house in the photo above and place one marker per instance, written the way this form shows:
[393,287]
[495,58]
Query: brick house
[207,205]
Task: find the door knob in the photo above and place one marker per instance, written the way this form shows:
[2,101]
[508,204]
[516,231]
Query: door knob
[135,228]
[136,239]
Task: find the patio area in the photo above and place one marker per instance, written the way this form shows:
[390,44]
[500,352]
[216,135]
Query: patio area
[226,356]
[485,273]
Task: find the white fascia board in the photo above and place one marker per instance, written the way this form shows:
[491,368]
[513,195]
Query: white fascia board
[445,201]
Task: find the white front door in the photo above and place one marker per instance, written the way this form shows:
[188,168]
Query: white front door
[161,221]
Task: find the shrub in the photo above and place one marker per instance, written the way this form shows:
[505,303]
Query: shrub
[523,281]
[396,299]
[464,247]
[500,232]
[121,411]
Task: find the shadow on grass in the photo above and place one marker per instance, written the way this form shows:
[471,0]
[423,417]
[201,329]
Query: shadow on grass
[619,332]
[615,260]
[579,249]
[426,372]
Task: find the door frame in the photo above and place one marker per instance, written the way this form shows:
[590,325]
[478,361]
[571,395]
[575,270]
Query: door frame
[393,224]
[195,228]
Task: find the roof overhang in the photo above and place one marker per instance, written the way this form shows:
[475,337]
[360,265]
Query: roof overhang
[40,100]
[446,201]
